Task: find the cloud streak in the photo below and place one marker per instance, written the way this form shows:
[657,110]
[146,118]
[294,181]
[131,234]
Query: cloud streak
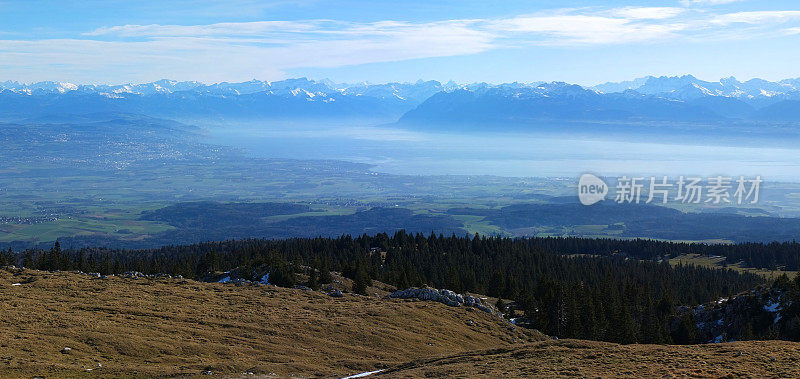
[265,49]
[708,2]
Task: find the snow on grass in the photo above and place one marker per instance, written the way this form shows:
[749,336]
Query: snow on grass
[362,375]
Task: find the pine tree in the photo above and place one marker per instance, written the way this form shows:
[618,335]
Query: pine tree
[501,306]
[282,276]
[325,274]
[11,259]
[402,281]
[510,289]
[27,262]
[361,281]
[313,282]
[496,285]
[687,330]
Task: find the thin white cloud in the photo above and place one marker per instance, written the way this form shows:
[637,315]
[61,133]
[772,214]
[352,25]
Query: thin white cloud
[265,49]
[243,51]
[792,31]
[647,13]
[708,2]
[226,29]
[583,29]
[754,18]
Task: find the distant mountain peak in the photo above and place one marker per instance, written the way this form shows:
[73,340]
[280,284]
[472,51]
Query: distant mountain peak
[681,97]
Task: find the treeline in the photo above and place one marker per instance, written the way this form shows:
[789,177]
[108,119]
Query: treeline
[608,298]
[754,254]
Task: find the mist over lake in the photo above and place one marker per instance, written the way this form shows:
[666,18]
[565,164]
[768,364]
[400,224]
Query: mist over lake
[398,151]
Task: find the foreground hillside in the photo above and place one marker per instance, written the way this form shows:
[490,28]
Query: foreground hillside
[577,358]
[118,325]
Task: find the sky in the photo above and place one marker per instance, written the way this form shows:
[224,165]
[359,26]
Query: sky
[583,42]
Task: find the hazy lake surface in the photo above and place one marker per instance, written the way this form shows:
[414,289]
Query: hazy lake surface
[398,151]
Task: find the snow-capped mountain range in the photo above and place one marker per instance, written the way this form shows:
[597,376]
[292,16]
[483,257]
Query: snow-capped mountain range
[685,87]
[688,87]
[679,98]
[302,87]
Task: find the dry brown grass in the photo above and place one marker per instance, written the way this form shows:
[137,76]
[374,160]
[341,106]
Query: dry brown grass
[576,358]
[170,327]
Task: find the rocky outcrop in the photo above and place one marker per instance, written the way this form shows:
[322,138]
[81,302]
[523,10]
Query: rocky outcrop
[756,314]
[444,296]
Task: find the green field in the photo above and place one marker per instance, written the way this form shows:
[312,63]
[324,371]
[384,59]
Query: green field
[719,262]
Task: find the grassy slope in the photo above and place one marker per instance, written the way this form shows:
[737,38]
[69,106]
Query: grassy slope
[181,327]
[575,358]
[717,262]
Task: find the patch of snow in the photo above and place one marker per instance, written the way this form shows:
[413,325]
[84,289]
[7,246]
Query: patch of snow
[226,279]
[362,375]
[265,279]
[718,339]
[111,95]
[17,284]
[772,307]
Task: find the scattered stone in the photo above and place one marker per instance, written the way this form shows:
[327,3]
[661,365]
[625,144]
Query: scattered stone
[132,274]
[335,293]
[66,350]
[443,296]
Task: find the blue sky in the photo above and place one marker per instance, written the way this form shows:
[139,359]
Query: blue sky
[585,42]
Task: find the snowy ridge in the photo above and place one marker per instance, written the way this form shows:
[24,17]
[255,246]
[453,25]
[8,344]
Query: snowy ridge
[688,87]
[677,87]
[301,87]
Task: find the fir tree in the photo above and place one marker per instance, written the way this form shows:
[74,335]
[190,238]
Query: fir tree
[325,274]
[501,306]
[313,282]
